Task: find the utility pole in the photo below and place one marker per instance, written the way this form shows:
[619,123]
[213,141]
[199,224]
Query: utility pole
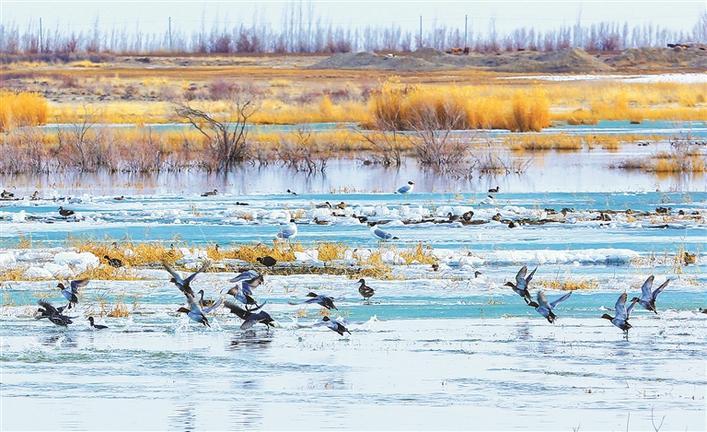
[466,28]
[420,43]
[41,38]
[169,30]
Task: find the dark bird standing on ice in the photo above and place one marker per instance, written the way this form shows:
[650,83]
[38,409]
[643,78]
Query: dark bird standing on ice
[113,262]
[66,212]
[365,291]
[267,260]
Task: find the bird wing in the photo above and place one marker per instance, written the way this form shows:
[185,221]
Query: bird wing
[193,275]
[404,189]
[76,284]
[177,277]
[530,276]
[620,307]
[216,304]
[236,310]
[48,308]
[520,276]
[542,300]
[248,274]
[557,301]
[193,304]
[660,289]
[646,288]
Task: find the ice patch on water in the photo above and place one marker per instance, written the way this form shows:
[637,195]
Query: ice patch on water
[79,262]
[7,261]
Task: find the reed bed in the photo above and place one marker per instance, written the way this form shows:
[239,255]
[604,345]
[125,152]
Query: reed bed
[22,109]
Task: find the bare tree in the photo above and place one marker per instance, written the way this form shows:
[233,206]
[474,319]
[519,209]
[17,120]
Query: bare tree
[226,133]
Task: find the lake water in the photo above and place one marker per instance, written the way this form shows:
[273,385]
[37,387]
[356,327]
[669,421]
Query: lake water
[434,350]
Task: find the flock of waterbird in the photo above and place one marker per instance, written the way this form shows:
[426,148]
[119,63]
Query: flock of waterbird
[246,307]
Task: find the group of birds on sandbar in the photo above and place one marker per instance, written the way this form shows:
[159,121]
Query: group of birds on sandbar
[622,312]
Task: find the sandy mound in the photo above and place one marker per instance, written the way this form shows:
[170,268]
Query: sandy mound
[660,58]
[573,60]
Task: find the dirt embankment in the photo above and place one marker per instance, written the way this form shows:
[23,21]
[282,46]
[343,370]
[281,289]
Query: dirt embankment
[573,60]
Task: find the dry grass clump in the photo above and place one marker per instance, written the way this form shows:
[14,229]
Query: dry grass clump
[460,107]
[120,310]
[106,272]
[541,142]
[21,109]
[281,251]
[374,267]
[131,254]
[419,255]
[331,251]
[13,275]
[569,284]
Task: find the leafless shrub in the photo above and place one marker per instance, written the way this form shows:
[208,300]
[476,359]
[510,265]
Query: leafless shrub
[432,141]
[226,133]
[23,151]
[387,146]
[81,145]
[222,89]
[302,152]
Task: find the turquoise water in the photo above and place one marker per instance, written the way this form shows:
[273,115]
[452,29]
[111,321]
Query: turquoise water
[434,350]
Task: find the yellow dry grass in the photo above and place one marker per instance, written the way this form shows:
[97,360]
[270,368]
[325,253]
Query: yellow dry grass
[568,284]
[21,109]
[131,254]
[419,255]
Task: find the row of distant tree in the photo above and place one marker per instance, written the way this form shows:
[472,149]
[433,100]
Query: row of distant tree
[298,33]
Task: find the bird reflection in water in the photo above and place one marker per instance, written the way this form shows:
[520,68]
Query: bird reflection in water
[249,339]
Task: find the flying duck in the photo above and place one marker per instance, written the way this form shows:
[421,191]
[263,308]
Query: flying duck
[96,326]
[71,291]
[521,285]
[406,188]
[288,231]
[365,291]
[183,284]
[267,260]
[55,315]
[648,298]
[544,308]
[322,300]
[249,317]
[622,313]
[335,325]
[66,212]
[113,262]
[381,235]
[210,193]
[195,312]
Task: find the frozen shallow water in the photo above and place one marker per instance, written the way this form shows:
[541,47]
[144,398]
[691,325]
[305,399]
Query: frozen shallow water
[435,349]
